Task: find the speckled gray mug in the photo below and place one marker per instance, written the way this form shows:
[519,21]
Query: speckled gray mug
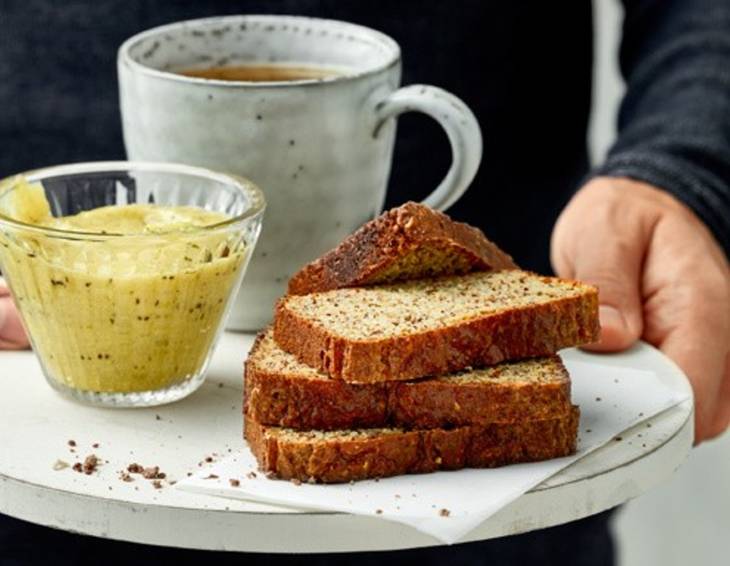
[320,149]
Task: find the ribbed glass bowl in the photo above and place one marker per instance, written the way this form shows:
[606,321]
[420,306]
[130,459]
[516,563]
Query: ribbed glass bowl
[128,320]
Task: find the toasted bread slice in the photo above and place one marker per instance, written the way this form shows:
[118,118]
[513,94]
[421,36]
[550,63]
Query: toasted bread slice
[436,326]
[412,241]
[348,455]
[281,391]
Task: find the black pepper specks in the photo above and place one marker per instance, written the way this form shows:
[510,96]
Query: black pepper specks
[151,51]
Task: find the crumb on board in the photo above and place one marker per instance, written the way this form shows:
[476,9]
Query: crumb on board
[91,463]
[234,482]
[296,481]
[60,465]
[251,475]
[211,477]
[444,512]
[153,473]
[72,443]
[378,511]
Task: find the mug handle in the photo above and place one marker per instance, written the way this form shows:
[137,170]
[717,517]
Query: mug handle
[461,127]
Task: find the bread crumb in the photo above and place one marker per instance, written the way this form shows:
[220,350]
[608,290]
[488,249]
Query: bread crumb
[60,465]
[444,512]
[251,475]
[90,464]
[296,481]
[157,484]
[151,473]
[72,443]
[378,511]
[234,482]
[211,477]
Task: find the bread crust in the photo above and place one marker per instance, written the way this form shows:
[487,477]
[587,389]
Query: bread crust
[286,399]
[365,256]
[525,332]
[336,460]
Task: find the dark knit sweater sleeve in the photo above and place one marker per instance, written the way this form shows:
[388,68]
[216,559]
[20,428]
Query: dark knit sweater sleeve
[674,122]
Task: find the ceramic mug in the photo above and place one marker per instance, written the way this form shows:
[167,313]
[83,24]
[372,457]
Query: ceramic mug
[320,149]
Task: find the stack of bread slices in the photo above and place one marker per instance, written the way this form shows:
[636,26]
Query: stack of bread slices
[416,345]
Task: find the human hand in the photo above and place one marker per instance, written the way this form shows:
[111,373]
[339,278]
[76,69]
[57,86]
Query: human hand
[12,335]
[662,277]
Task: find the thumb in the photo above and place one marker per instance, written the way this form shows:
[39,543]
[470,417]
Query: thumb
[600,240]
[12,335]
[616,271]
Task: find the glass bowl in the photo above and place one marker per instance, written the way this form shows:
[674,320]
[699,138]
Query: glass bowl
[128,320]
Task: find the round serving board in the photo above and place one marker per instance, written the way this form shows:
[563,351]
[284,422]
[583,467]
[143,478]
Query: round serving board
[37,424]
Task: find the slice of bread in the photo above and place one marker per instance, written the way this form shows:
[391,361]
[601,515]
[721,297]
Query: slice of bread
[436,326]
[348,455]
[412,241]
[281,391]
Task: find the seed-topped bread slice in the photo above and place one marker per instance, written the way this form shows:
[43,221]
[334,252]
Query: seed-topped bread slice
[347,455]
[436,326]
[281,391]
[412,241]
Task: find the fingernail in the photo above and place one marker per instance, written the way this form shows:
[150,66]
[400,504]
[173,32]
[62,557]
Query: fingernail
[611,317]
